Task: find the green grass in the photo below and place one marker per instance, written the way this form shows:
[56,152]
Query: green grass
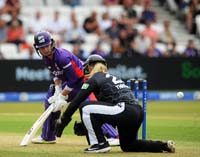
[179,121]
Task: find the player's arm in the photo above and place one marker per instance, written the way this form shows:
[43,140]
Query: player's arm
[60,99]
[57,81]
[85,91]
[71,72]
[58,89]
[72,75]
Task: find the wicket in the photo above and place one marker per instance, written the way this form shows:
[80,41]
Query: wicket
[135,83]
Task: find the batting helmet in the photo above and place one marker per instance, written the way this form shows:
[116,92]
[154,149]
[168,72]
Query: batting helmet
[42,39]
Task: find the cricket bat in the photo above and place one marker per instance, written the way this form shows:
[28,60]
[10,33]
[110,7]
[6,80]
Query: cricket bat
[32,131]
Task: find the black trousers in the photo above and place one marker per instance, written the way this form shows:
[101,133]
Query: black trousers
[126,117]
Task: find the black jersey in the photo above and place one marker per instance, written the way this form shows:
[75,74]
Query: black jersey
[111,89]
[106,88]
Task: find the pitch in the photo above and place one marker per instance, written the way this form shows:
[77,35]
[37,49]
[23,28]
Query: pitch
[179,121]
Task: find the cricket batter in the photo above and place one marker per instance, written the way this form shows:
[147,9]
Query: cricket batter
[68,77]
[116,105]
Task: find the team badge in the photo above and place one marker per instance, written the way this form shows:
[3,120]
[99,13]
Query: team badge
[85,86]
[41,39]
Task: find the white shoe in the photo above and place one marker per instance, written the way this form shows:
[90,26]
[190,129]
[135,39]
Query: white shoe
[113,141]
[40,140]
[171,146]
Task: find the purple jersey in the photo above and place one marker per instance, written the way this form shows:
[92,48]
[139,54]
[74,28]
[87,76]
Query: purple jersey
[65,66]
[68,68]
[191,52]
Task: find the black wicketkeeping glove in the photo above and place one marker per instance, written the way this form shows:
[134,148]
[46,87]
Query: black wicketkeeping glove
[60,125]
[79,129]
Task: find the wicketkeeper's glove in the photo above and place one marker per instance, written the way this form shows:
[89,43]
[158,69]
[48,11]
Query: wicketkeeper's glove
[79,129]
[61,124]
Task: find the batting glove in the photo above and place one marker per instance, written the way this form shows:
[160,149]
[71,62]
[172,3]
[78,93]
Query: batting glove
[53,98]
[60,102]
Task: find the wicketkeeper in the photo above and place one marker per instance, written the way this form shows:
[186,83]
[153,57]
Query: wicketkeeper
[116,105]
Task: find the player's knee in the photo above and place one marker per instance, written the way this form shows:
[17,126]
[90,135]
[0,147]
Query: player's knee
[131,147]
[126,149]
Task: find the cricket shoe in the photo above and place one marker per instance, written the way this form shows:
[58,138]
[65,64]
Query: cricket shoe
[40,140]
[113,141]
[98,148]
[170,146]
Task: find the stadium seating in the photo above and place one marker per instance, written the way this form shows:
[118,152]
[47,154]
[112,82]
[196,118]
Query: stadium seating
[47,7]
[91,39]
[54,3]
[9,51]
[67,46]
[35,3]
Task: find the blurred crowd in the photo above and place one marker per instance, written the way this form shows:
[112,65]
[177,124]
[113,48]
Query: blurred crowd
[187,11]
[132,31]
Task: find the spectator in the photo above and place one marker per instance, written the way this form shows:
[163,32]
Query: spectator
[91,25]
[128,7]
[105,21]
[10,5]
[152,51]
[57,25]
[15,31]
[125,20]
[131,32]
[113,31]
[126,33]
[79,52]
[182,9]
[192,12]
[142,43]
[75,33]
[37,23]
[167,36]
[72,3]
[191,50]
[123,37]
[132,50]
[150,32]
[2,5]
[148,14]
[98,50]
[173,50]
[110,2]
[138,6]
[117,50]
[2,31]
[29,53]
